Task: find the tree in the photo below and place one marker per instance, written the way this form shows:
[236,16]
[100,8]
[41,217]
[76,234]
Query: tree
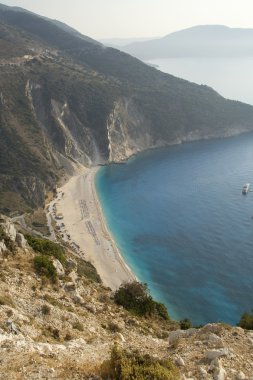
[134,296]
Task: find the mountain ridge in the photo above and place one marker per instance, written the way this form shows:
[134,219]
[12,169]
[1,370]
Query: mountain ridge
[196,41]
[66,101]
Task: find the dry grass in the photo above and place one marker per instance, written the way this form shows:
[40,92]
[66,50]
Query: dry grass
[53,301]
[71,369]
[5,299]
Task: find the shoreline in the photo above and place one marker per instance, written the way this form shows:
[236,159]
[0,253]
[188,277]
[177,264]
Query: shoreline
[83,225]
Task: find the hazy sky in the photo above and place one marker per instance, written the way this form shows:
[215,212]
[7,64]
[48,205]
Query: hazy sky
[140,18]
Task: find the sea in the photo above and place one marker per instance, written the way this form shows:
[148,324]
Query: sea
[231,77]
[180,220]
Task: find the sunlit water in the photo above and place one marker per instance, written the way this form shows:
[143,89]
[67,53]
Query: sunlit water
[231,77]
[184,227]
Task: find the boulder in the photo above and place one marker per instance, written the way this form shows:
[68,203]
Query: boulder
[220,373]
[12,327]
[76,297]
[91,308]
[43,348]
[190,332]
[20,240]
[59,268]
[10,230]
[180,361]
[175,335]
[3,247]
[213,354]
[212,328]
[240,376]
[73,276]
[215,363]
[203,373]
[214,340]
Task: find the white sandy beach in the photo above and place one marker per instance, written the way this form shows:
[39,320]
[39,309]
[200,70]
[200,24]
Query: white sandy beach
[84,222]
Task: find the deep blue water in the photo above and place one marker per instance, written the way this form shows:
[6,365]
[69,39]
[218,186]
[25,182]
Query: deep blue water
[183,226]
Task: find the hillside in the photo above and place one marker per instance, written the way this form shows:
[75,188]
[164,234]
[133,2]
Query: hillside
[199,41]
[58,322]
[66,100]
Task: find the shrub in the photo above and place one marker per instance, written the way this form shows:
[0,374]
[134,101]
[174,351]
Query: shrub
[46,247]
[246,321]
[44,267]
[185,324]
[68,337]
[124,365]
[45,310]
[77,326]
[135,297]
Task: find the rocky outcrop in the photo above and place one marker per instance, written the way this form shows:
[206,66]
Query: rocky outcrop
[199,355]
[58,267]
[10,234]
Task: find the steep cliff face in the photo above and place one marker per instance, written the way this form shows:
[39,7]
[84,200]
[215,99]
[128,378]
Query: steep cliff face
[62,128]
[128,131]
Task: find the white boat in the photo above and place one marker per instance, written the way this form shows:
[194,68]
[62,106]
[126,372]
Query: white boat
[245,188]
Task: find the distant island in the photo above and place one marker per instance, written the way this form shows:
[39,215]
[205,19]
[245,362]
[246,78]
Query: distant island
[198,41]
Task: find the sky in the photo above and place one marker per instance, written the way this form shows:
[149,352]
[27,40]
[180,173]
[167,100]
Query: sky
[103,19]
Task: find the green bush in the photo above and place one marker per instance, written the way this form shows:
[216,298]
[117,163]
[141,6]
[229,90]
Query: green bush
[246,321]
[44,267]
[135,297]
[185,324]
[46,247]
[124,365]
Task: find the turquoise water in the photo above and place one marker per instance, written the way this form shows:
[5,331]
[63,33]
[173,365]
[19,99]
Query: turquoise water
[183,226]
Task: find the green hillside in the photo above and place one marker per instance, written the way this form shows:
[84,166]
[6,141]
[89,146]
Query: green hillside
[63,97]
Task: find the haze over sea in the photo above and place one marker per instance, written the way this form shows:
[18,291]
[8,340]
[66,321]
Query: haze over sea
[231,77]
[184,227]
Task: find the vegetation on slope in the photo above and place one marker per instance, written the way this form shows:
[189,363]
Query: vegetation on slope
[124,365]
[44,267]
[246,321]
[135,297]
[46,247]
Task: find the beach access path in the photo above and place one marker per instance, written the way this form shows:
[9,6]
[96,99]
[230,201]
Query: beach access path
[84,223]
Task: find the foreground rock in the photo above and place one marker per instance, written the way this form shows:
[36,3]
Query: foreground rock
[64,330]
